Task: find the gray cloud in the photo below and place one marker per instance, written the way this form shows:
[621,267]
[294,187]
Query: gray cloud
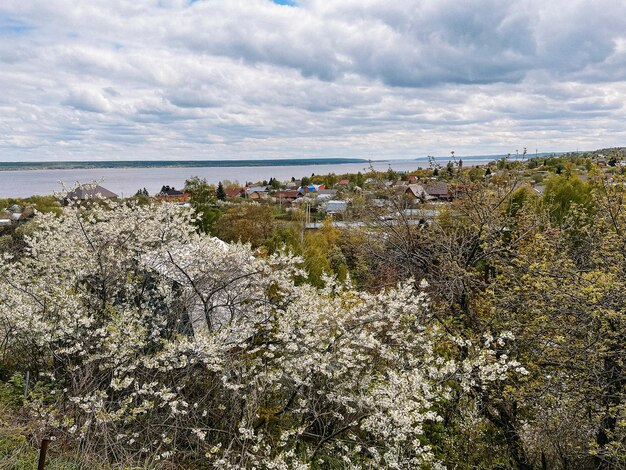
[215,79]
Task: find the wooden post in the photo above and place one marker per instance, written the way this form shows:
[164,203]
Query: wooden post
[45,442]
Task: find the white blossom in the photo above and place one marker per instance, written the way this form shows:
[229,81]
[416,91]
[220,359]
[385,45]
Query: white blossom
[137,316]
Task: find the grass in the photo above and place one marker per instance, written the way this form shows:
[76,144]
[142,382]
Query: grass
[17,453]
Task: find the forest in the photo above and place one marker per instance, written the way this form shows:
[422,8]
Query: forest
[139,334]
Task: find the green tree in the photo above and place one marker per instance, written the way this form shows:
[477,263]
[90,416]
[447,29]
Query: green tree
[359,180]
[203,200]
[248,223]
[519,199]
[220,193]
[331,180]
[565,192]
[274,184]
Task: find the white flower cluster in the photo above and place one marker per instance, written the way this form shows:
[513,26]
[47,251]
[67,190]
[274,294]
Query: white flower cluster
[156,341]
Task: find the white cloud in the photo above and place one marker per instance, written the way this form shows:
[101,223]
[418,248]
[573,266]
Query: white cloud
[253,79]
[87,100]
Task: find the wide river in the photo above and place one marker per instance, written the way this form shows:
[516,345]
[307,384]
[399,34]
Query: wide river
[126,181]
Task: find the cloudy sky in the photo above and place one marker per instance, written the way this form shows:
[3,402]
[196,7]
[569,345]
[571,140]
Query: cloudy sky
[226,79]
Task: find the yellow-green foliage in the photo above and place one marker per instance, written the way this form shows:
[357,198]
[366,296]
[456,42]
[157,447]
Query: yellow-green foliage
[42,204]
[563,192]
[248,223]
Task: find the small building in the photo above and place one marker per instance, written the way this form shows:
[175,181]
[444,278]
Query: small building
[173,192]
[417,191]
[439,191]
[336,207]
[287,196]
[257,195]
[311,188]
[257,189]
[15,215]
[170,194]
[234,192]
[326,194]
[5,219]
[27,213]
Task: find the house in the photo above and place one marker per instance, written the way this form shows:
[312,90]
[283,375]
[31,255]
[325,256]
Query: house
[173,192]
[326,194]
[26,214]
[287,196]
[15,215]
[412,179]
[439,191]
[344,182]
[311,188]
[257,195]
[336,206]
[417,191]
[257,189]
[233,192]
[5,219]
[89,191]
[170,194]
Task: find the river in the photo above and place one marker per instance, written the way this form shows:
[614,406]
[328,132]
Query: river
[126,181]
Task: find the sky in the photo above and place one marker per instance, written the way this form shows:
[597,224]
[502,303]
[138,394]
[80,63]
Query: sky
[255,79]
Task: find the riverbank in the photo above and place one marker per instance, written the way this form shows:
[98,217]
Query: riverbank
[126,181]
[67,165]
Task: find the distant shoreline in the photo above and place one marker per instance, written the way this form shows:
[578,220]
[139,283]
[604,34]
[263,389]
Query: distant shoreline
[470,160]
[17,166]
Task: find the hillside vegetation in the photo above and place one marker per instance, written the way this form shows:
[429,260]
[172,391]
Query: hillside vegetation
[489,336]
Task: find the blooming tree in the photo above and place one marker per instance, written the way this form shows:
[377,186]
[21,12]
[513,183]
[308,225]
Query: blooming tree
[153,343]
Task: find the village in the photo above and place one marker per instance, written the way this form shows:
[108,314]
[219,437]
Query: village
[343,200]
[338,202]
